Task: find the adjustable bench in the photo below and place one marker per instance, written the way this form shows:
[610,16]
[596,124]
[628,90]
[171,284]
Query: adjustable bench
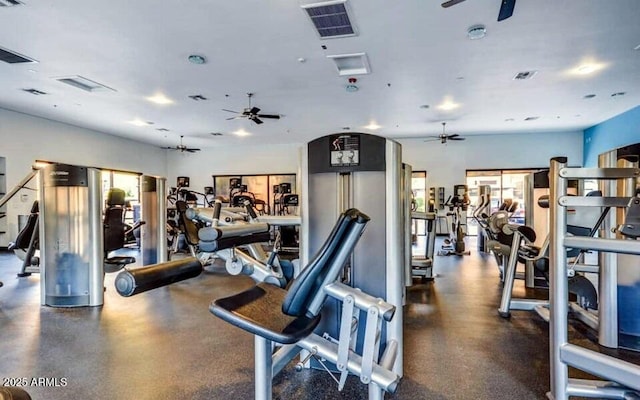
[289,317]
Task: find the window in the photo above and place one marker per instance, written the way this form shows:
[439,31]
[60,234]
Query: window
[130,183]
[419,193]
[505,184]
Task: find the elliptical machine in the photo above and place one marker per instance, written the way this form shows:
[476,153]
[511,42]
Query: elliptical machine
[457,215]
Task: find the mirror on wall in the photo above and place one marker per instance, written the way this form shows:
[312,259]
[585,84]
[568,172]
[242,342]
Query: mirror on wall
[262,190]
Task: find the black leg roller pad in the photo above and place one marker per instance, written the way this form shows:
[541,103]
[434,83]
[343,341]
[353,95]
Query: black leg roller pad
[130,282]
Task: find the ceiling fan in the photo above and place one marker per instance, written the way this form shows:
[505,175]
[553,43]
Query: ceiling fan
[182,148]
[506,7]
[443,138]
[252,113]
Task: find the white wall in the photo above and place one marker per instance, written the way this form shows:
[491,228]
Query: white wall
[446,164]
[249,160]
[25,138]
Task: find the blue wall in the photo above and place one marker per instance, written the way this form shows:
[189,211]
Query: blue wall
[621,130]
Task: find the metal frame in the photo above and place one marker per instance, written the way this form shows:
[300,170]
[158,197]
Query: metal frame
[509,276]
[375,372]
[624,376]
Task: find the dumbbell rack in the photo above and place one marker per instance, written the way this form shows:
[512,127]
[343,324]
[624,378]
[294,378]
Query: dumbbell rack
[621,378]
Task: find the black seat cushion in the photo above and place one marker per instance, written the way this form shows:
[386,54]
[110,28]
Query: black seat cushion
[115,264]
[258,311]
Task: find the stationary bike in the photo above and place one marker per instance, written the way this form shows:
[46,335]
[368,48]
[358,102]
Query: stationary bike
[458,204]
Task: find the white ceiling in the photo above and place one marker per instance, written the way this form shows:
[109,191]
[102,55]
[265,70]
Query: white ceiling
[418,53]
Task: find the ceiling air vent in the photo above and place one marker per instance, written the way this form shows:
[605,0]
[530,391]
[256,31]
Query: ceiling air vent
[330,18]
[34,91]
[9,3]
[520,76]
[351,64]
[11,57]
[84,83]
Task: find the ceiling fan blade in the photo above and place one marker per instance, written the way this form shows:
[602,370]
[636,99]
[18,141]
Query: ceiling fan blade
[192,150]
[254,110]
[256,120]
[231,111]
[236,117]
[272,116]
[456,138]
[506,9]
[431,140]
[453,135]
[168,148]
[450,3]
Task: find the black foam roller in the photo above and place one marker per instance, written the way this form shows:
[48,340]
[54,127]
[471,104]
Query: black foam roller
[129,283]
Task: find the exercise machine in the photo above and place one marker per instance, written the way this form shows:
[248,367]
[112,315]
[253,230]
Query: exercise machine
[153,210]
[619,379]
[27,243]
[457,204]
[71,232]
[236,236]
[331,185]
[74,241]
[480,213]
[289,318]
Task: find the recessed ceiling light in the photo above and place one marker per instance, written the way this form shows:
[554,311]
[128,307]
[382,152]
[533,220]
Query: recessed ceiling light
[448,105]
[197,59]
[241,132]
[587,68]
[346,128]
[372,126]
[509,119]
[531,118]
[160,98]
[163,129]
[617,94]
[139,122]
[589,96]
[476,32]
[215,134]
[425,106]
